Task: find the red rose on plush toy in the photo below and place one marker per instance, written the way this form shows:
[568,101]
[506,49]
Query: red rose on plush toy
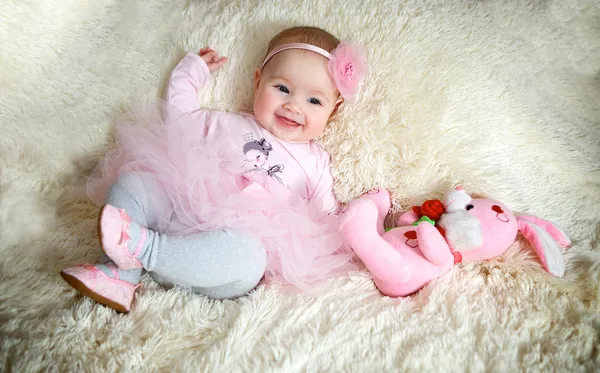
[432,208]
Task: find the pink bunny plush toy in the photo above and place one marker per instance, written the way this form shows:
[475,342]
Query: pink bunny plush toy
[435,236]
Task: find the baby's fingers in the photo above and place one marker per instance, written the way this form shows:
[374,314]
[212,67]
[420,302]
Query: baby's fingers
[217,63]
[209,56]
[204,51]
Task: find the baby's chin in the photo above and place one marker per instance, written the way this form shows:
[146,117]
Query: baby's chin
[291,137]
[298,135]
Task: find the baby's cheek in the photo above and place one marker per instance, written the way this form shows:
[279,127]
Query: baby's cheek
[259,105]
[267,100]
[318,124]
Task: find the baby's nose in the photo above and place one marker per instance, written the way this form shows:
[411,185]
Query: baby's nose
[291,106]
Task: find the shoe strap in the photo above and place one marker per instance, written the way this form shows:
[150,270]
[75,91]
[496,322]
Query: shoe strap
[114,270]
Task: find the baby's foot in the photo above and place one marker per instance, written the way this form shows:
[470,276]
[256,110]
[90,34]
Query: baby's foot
[121,239]
[95,284]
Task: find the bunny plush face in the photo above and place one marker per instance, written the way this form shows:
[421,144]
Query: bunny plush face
[478,228]
[483,228]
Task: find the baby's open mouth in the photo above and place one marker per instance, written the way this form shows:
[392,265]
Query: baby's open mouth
[285,122]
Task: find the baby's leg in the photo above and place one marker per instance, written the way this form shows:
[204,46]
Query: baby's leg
[104,281]
[220,264]
[130,193]
[224,263]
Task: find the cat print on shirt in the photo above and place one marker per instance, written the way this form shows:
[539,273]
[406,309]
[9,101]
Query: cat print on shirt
[256,153]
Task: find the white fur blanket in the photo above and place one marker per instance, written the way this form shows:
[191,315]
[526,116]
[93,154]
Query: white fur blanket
[502,97]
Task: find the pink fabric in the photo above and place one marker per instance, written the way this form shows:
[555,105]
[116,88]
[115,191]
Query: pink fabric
[114,237]
[407,218]
[545,245]
[554,231]
[406,241]
[384,262]
[113,270]
[395,260]
[141,243]
[405,259]
[220,170]
[498,227]
[433,246]
[530,234]
[113,289]
[382,200]
[304,46]
[306,165]
[347,66]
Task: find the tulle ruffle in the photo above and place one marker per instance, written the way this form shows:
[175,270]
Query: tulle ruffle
[200,188]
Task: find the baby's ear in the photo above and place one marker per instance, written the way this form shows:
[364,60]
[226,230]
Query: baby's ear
[338,103]
[256,81]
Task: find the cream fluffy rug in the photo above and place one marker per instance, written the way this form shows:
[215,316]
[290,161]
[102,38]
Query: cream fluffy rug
[500,97]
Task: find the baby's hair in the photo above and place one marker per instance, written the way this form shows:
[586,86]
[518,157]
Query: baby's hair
[305,34]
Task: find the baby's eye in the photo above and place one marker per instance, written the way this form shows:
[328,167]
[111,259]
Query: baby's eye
[282,88]
[314,101]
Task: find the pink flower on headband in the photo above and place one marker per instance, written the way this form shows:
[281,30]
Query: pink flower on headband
[347,66]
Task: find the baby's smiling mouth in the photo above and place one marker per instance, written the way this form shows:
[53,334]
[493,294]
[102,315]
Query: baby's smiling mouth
[286,122]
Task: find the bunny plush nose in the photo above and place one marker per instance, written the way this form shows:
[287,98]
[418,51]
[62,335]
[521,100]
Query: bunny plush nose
[459,188]
[497,209]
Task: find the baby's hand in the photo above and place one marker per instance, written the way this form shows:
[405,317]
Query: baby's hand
[212,59]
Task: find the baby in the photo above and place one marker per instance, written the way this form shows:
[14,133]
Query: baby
[214,201]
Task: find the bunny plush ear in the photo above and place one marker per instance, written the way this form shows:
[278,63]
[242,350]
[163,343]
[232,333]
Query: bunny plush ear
[554,231]
[547,240]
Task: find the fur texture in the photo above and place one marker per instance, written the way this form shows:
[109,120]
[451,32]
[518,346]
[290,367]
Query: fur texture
[463,230]
[502,97]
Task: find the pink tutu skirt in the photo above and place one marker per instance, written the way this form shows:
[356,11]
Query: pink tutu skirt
[200,189]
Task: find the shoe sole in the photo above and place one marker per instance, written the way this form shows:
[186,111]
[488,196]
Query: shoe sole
[84,290]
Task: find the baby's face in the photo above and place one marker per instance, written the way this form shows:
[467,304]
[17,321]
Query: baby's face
[295,95]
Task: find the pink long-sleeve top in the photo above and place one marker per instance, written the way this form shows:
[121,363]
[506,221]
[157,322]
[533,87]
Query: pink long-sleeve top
[304,167]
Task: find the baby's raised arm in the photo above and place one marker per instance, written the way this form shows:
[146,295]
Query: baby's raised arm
[190,74]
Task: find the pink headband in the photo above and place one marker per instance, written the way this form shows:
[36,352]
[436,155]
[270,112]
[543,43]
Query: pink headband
[347,64]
